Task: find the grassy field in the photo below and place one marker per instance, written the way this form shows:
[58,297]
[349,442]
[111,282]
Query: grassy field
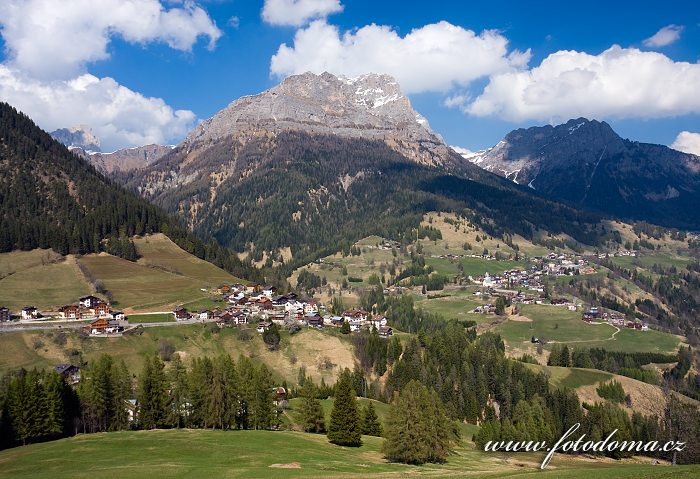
[646,261]
[472,266]
[267,454]
[157,250]
[370,260]
[322,354]
[556,323]
[20,260]
[164,276]
[46,285]
[136,287]
[559,325]
[572,378]
[452,304]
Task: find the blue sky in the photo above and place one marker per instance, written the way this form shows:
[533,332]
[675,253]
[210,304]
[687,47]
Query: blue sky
[152,83]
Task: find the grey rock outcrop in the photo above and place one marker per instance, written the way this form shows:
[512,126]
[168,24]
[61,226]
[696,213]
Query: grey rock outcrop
[371,106]
[77,137]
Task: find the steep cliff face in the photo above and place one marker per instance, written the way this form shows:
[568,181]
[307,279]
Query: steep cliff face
[83,142]
[370,107]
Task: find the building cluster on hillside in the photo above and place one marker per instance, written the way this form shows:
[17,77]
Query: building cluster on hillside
[613,318]
[617,254]
[554,264]
[260,305]
[562,264]
[103,319]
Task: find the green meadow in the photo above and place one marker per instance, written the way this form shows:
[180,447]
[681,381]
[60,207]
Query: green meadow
[283,454]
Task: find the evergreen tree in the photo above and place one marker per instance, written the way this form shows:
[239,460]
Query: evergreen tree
[152,397]
[344,428]
[312,417]
[418,430]
[179,411]
[122,391]
[370,421]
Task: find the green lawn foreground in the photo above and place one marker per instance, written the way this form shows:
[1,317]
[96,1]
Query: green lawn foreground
[267,454]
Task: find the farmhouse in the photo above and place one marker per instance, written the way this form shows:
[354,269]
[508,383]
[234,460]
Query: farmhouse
[252,288]
[5,314]
[377,322]
[132,409]
[263,326]
[269,291]
[358,315]
[69,372]
[100,309]
[181,314]
[104,326]
[69,312]
[30,312]
[314,320]
[385,332]
[280,396]
[89,301]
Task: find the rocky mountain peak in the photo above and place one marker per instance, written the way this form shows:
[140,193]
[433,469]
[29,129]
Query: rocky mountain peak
[370,106]
[80,136]
[584,162]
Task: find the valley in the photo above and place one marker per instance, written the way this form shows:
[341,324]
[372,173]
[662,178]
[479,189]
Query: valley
[316,247]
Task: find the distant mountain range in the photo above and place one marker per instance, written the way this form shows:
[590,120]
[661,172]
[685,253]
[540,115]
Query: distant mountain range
[586,164]
[320,161]
[83,142]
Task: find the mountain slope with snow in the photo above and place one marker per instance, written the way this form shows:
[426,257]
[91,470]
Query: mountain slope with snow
[585,163]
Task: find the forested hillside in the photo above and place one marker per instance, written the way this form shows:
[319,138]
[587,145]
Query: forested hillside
[50,198]
[318,193]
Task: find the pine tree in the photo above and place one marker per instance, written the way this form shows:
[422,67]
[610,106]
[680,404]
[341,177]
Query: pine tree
[370,421]
[122,391]
[179,394]
[198,385]
[344,427]
[152,394]
[312,417]
[418,430]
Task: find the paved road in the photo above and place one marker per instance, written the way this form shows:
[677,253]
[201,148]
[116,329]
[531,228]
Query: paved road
[67,324]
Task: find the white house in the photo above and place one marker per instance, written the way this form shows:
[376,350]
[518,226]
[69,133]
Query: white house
[29,312]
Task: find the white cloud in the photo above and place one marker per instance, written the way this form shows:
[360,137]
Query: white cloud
[50,39]
[298,12]
[118,116]
[618,83]
[431,58]
[49,45]
[687,142]
[667,35]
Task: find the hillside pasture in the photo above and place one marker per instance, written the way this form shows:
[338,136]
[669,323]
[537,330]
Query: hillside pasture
[45,285]
[282,454]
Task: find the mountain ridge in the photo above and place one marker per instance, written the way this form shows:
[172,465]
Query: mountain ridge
[586,164]
[263,175]
[370,106]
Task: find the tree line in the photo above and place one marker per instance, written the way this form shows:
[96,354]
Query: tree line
[215,393]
